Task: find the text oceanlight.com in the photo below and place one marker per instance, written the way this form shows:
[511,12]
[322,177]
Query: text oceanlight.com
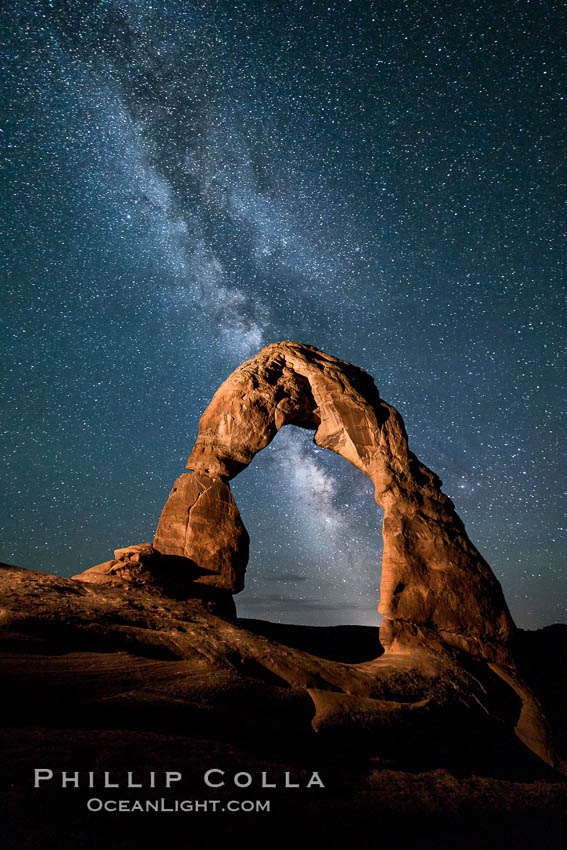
[95,804]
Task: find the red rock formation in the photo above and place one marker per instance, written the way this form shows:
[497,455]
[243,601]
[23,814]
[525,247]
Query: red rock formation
[435,588]
[143,568]
[201,522]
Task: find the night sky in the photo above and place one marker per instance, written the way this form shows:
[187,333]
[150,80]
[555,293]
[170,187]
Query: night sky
[186,182]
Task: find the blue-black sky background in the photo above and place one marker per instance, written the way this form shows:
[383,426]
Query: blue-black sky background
[186,182]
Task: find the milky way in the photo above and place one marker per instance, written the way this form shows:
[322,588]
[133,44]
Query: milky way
[189,181]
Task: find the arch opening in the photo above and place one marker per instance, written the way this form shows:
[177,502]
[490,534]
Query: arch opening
[315,535]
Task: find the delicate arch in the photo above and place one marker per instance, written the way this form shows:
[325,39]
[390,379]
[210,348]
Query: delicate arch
[434,581]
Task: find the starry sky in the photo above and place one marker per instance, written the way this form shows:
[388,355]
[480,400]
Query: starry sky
[185,182]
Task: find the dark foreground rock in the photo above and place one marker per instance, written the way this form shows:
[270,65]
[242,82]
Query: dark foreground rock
[419,747]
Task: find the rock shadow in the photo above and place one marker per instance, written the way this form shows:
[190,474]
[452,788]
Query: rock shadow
[346,644]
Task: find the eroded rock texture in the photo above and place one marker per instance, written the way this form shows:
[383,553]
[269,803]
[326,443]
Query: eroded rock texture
[201,522]
[436,587]
[109,653]
[143,568]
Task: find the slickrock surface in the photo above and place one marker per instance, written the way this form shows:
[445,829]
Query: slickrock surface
[118,677]
[435,586]
[402,700]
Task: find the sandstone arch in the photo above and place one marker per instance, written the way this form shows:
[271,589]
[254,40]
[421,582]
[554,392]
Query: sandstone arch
[435,585]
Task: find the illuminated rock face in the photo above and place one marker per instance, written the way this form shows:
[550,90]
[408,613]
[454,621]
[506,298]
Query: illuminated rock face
[438,595]
[200,521]
[435,588]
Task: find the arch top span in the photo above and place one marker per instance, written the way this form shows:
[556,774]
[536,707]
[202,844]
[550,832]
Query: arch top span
[434,581]
[292,384]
